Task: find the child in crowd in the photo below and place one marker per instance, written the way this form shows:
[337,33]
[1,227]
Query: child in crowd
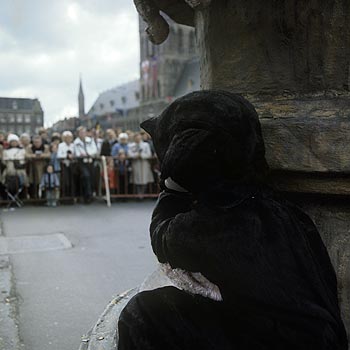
[50,183]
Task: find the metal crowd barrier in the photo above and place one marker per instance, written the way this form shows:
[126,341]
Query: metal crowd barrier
[108,177]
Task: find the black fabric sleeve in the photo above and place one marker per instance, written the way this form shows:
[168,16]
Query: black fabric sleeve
[170,208]
[318,252]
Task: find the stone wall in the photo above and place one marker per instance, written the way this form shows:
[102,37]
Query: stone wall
[270,47]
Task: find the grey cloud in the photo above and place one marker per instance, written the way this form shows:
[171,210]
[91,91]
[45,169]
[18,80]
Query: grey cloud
[42,53]
[39,24]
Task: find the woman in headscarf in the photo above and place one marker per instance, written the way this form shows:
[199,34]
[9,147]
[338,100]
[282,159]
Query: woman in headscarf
[250,268]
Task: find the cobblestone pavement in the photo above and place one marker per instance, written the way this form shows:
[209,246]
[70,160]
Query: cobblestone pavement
[69,262]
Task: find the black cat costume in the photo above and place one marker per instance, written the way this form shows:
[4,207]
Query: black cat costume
[277,286]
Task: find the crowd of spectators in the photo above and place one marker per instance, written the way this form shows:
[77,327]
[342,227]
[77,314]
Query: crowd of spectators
[69,165]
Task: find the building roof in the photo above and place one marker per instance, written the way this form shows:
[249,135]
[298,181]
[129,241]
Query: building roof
[189,79]
[15,103]
[117,99]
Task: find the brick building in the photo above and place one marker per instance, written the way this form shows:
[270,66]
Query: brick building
[70,124]
[19,115]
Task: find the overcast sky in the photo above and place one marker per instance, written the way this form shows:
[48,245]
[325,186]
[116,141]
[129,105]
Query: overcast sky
[45,44]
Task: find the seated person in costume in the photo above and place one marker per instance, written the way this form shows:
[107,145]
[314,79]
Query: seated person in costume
[250,268]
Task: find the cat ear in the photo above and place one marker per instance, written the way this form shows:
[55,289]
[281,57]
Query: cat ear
[149,126]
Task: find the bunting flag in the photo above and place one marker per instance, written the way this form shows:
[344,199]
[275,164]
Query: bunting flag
[154,76]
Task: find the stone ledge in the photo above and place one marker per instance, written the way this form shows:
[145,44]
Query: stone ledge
[311,183]
[308,144]
[103,335]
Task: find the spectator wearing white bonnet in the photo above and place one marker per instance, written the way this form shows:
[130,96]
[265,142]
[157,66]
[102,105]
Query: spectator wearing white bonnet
[123,139]
[14,160]
[66,147]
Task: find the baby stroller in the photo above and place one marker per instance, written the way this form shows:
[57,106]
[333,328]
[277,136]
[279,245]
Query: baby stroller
[11,190]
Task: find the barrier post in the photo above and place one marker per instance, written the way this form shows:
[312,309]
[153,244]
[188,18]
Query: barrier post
[105,176]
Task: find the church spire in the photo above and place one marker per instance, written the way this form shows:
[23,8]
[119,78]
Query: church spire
[81,99]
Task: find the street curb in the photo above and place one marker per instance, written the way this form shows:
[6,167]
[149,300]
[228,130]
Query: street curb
[9,332]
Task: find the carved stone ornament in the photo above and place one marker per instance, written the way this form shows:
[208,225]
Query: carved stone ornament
[180,11]
[198,3]
[158,27]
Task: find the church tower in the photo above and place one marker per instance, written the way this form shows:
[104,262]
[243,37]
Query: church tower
[81,100]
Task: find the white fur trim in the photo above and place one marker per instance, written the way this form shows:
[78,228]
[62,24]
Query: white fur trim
[192,282]
[172,185]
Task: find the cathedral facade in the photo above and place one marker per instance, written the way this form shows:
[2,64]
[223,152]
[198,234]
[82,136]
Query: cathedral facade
[161,66]
[167,71]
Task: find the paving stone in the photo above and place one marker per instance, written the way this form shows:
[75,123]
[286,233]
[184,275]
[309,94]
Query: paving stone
[27,244]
